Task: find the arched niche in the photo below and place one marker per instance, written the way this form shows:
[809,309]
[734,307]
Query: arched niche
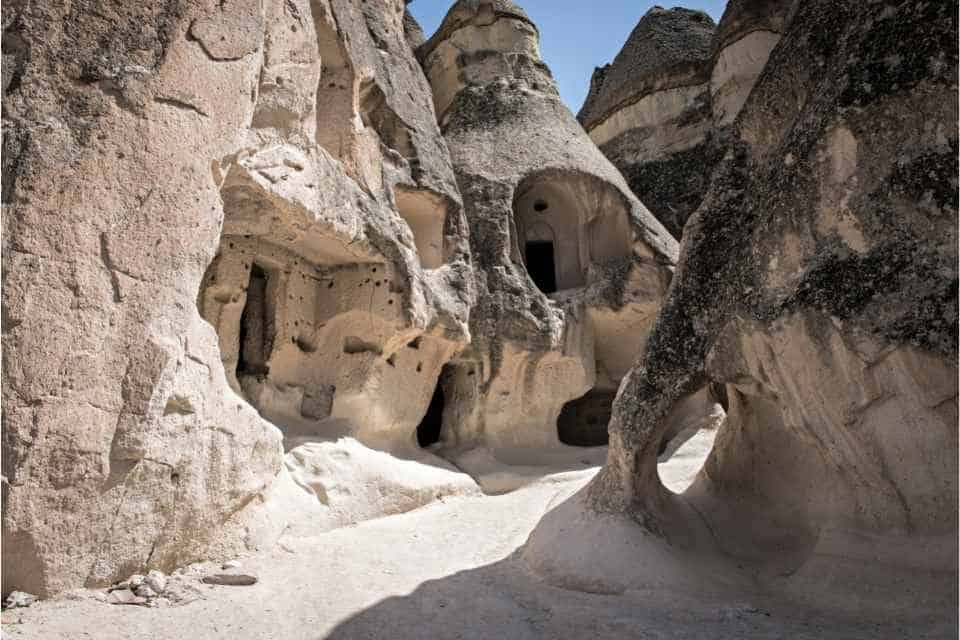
[302,317]
[574,218]
[425,213]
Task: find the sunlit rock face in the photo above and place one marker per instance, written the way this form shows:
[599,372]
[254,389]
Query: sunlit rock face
[227,226]
[569,267]
[661,111]
[338,288]
[818,283]
[649,112]
[747,33]
[259,258]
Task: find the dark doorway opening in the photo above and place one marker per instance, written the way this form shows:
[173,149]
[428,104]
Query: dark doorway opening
[541,265]
[256,326]
[583,422]
[428,431]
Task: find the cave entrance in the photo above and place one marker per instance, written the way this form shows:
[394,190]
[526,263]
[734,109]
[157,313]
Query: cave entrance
[256,326]
[690,428]
[583,422]
[541,265]
[585,217]
[428,431]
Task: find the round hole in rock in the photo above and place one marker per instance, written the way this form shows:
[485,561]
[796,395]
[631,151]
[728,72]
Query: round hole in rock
[583,422]
[540,206]
[690,430]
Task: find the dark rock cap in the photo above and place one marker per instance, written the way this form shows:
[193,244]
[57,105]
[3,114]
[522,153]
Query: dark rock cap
[740,17]
[667,48]
[465,10]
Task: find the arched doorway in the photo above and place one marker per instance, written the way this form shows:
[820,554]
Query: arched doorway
[428,431]
[539,256]
[571,219]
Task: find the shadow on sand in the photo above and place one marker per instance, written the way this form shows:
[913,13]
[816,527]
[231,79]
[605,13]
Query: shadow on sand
[504,600]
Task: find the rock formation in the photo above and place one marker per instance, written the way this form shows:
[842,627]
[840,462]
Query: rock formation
[569,266]
[246,230]
[649,112]
[747,33]
[338,290]
[278,166]
[267,263]
[818,283]
[661,110]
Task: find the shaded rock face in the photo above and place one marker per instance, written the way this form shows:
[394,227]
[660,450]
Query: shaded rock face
[818,283]
[569,266]
[661,110]
[649,112]
[272,168]
[412,30]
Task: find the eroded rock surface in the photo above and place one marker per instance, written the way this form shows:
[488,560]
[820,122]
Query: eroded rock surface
[263,260]
[339,289]
[818,283]
[747,33]
[272,168]
[649,112]
[569,267]
[662,110]
[122,443]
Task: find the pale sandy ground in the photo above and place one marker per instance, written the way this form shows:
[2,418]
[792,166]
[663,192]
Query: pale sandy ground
[447,570]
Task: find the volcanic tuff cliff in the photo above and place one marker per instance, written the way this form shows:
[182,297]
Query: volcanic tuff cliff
[235,244]
[225,226]
[661,110]
[818,283]
[569,266]
[649,112]
[263,261]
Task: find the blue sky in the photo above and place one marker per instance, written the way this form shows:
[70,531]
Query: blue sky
[575,36]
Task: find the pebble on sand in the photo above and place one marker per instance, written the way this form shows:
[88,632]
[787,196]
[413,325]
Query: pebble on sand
[231,579]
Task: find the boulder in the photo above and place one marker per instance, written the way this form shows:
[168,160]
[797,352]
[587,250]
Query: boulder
[16,599]
[231,579]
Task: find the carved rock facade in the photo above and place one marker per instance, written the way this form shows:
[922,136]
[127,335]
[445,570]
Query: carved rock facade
[274,169]
[569,267]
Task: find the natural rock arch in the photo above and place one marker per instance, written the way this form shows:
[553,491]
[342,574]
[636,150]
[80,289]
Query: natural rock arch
[839,452]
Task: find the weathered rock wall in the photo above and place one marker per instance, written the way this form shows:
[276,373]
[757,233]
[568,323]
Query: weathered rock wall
[661,110]
[277,164]
[649,112]
[818,282]
[364,305]
[548,327]
[747,33]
